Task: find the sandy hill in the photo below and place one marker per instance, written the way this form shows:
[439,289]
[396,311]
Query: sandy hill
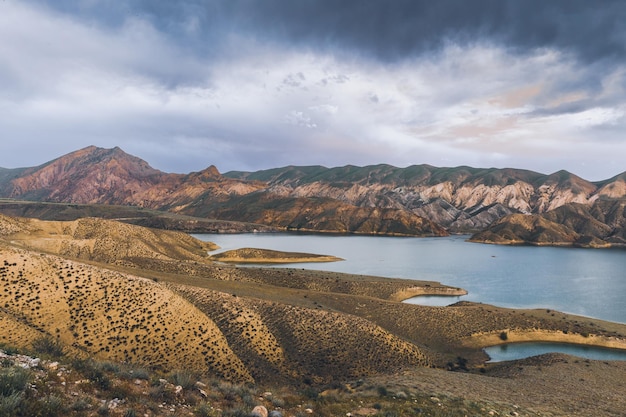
[252,255]
[104,240]
[108,315]
[94,311]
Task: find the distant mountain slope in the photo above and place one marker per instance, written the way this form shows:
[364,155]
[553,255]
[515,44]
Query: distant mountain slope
[600,225]
[326,215]
[419,200]
[110,176]
[460,199]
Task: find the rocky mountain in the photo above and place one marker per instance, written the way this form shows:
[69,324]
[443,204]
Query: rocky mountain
[460,199]
[323,214]
[418,200]
[110,176]
[600,225]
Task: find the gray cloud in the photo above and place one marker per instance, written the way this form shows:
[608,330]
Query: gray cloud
[249,85]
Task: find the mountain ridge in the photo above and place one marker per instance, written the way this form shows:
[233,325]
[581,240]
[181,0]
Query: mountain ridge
[419,200]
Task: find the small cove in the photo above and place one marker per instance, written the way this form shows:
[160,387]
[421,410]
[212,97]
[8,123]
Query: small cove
[513,351]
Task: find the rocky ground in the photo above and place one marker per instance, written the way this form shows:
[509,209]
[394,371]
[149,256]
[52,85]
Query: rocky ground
[549,385]
[47,383]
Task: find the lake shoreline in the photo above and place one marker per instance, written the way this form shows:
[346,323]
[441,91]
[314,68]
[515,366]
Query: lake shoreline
[484,340]
[267,256]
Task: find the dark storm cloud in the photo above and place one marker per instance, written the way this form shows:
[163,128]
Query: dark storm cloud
[388,30]
[394,29]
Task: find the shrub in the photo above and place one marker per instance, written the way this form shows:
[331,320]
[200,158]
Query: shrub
[9,405]
[13,380]
[9,350]
[310,393]
[122,392]
[162,393]
[49,406]
[277,402]
[184,379]
[93,371]
[110,367]
[235,412]
[140,373]
[103,411]
[48,345]
[203,410]
[504,336]
[81,404]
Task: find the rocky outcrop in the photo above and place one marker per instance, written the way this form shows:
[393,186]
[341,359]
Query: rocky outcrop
[327,215]
[601,225]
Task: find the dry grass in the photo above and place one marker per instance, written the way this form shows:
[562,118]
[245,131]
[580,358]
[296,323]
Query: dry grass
[300,343]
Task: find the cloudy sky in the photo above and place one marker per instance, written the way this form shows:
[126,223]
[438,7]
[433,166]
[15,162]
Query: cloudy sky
[254,84]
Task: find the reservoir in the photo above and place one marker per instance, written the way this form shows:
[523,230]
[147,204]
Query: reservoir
[587,282]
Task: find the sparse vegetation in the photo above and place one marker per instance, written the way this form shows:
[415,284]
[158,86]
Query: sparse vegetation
[26,392]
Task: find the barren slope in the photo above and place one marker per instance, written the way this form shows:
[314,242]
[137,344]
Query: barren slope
[108,241]
[108,315]
[601,225]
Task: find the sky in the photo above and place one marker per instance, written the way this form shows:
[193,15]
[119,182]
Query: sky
[257,84]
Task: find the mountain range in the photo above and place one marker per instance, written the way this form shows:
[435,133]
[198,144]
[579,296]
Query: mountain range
[419,200]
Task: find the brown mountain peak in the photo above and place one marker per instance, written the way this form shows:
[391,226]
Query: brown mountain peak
[211,172]
[87,175]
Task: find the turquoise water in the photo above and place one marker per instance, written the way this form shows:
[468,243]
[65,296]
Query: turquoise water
[588,282]
[514,351]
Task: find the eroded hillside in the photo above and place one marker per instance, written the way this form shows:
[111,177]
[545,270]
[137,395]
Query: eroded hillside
[600,225]
[418,200]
